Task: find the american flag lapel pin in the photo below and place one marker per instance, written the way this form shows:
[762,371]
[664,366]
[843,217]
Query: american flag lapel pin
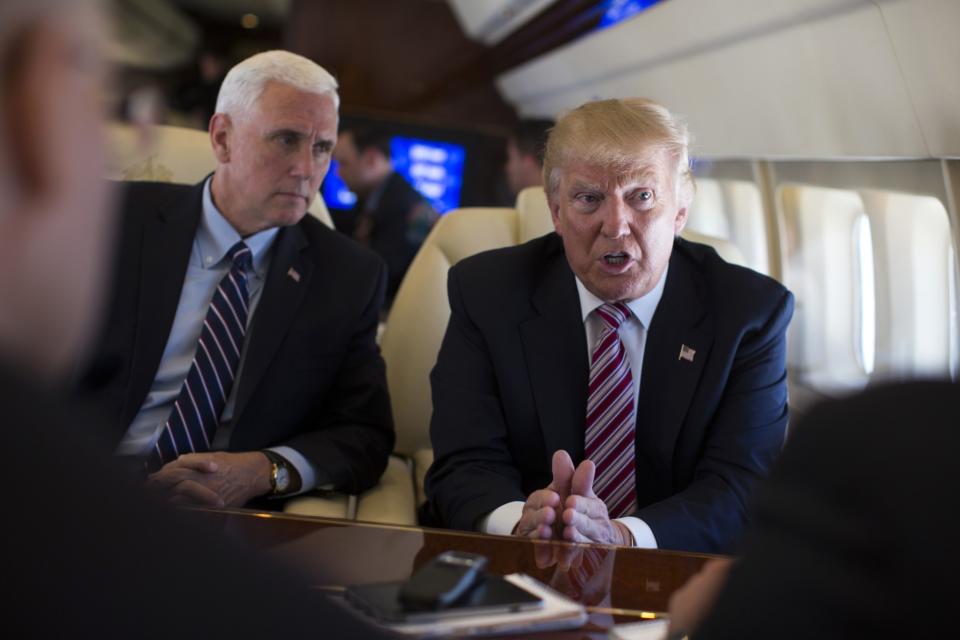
[294,274]
[686,353]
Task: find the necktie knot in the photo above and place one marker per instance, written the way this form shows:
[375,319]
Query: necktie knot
[613,314]
[241,256]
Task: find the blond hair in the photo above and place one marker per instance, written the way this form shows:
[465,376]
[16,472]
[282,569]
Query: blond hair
[610,133]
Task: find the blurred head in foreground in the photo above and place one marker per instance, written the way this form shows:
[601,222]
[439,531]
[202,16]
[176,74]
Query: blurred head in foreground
[54,205]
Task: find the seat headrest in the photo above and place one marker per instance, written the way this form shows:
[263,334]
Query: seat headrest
[726,249]
[533,214]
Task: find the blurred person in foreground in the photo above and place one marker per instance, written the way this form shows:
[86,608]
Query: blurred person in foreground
[609,382]
[854,534]
[240,355]
[85,553]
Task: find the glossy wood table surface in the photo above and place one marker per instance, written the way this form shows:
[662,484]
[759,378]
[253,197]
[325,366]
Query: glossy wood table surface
[616,584]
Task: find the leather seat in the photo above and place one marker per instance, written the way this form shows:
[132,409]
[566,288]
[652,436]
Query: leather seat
[418,318]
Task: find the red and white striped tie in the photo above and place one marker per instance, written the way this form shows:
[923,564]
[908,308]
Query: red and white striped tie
[611,416]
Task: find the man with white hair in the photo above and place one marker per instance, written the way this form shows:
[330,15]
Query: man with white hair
[609,382]
[240,352]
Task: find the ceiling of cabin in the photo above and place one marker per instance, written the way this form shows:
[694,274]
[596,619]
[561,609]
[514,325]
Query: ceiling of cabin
[271,12]
[432,61]
[387,55]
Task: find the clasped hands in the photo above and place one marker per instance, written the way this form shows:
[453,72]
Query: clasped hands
[568,509]
[213,479]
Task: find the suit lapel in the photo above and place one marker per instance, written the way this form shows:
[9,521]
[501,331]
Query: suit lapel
[288,280]
[555,348]
[166,244]
[669,379]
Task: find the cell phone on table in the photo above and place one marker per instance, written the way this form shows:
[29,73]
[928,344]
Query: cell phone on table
[492,595]
[443,581]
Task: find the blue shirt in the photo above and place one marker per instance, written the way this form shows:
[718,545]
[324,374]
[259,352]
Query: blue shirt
[208,265]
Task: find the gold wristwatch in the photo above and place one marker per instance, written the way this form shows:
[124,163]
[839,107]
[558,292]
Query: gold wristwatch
[281,474]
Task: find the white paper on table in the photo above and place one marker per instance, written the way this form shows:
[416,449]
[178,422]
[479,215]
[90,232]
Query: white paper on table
[646,630]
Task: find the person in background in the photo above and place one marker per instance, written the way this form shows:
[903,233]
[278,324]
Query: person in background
[610,382]
[85,552]
[854,534]
[197,98]
[390,217]
[525,148]
[240,354]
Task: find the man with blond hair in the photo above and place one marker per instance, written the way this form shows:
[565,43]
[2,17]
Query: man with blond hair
[240,356]
[609,382]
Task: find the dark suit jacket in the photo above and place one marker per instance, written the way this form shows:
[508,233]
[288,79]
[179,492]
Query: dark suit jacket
[87,554]
[401,220]
[856,532]
[313,378]
[510,387]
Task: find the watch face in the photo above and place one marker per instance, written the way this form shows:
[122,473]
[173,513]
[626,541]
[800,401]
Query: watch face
[283,478]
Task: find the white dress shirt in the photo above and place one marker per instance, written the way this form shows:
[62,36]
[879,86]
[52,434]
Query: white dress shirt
[207,266]
[633,334]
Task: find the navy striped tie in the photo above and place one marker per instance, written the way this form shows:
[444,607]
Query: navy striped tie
[196,411]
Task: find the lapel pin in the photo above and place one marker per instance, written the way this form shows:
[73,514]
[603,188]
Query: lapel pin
[686,353]
[294,274]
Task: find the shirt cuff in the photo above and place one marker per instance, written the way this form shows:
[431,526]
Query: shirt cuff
[308,475]
[502,520]
[643,537]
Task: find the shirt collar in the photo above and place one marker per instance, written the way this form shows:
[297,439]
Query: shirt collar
[642,307]
[216,236]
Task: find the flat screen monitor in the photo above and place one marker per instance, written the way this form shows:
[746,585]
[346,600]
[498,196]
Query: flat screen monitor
[434,168]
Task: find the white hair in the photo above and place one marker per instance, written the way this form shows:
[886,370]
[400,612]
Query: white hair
[245,81]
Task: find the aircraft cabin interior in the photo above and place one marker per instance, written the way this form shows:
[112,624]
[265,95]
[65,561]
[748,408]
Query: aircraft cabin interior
[825,149]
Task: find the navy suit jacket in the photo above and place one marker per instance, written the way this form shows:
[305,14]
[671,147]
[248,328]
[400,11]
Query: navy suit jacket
[313,378]
[510,388]
[854,534]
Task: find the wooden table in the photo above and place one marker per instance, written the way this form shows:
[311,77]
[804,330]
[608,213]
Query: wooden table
[616,584]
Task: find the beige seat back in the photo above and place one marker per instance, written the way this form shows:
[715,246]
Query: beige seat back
[726,249]
[533,214]
[418,318]
[171,154]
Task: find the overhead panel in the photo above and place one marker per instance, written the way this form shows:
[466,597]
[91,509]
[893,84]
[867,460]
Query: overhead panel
[804,78]
[490,21]
[926,42]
